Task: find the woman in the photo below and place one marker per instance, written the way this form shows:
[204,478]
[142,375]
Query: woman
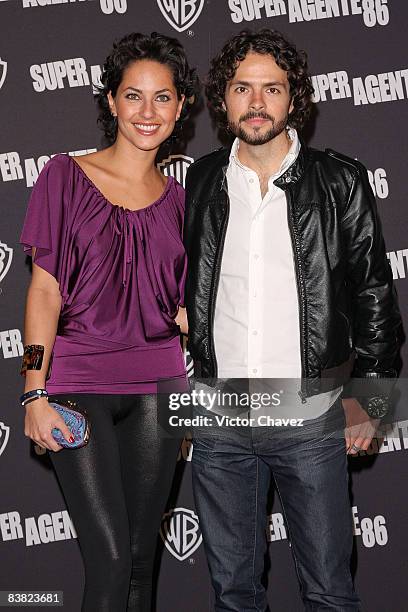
[108,274]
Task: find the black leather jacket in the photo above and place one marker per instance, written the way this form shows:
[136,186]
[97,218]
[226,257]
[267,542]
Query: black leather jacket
[347,306]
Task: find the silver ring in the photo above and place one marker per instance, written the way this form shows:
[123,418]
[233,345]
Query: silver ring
[356,448]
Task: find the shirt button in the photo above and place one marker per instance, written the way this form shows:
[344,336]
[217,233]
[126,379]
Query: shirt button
[254,333]
[251,180]
[256,256]
[254,370]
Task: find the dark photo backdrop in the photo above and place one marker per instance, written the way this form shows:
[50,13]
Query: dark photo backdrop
[50,52]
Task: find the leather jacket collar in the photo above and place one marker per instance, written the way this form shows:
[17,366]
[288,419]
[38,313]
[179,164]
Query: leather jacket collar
[290,176]
[296,170]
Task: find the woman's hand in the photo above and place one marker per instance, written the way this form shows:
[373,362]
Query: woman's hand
[181,320]
[40,420]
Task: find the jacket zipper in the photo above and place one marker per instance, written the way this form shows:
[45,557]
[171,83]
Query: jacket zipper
[300,283]
[214,289]
[345,317]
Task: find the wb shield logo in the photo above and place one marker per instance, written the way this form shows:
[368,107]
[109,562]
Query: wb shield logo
[180,532]
[176,166]
[181,14]
[6,255]
[3,72]
[4,436]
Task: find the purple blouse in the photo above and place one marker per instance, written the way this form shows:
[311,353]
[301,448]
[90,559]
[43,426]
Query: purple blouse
[121,275]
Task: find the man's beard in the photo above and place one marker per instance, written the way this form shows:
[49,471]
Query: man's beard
[257,138]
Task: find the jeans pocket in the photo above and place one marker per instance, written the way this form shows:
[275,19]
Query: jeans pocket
[329,443]
[203,448]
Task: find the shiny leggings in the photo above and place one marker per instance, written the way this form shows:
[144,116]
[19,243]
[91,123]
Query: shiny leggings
[116,489]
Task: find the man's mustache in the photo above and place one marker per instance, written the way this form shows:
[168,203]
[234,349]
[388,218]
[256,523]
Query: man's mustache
[252,115]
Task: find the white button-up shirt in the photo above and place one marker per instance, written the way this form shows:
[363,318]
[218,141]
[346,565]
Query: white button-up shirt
[256,326]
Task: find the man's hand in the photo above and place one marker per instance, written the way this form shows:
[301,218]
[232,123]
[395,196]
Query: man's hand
[360,428]
[181,320]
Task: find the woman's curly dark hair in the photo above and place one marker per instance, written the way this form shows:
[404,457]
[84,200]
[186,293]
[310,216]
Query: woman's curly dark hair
[136,46]
[264,42]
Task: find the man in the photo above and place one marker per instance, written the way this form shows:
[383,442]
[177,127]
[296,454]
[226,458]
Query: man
[288,279]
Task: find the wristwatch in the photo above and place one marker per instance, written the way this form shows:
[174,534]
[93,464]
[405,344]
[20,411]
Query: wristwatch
[375,392]
[376,407]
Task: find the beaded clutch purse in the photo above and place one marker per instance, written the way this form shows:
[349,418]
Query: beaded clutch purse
[76,419]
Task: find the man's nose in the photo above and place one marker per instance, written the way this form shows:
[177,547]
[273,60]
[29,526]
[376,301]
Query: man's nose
[257,102]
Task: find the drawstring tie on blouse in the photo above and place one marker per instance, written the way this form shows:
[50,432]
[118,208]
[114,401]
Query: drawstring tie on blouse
[124,222]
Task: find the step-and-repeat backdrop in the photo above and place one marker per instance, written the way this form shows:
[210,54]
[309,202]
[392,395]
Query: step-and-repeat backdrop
[51,52]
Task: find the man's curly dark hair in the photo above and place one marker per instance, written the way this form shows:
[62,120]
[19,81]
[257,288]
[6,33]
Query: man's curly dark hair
[264,42]
[135,46]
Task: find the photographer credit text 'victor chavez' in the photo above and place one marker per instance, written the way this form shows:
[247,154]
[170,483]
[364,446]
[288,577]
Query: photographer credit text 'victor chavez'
[246,403]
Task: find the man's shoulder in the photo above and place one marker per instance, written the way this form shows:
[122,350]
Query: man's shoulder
[213,161]
[336,162]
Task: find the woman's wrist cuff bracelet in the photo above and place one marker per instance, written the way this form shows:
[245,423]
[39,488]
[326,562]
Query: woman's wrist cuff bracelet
[32,358]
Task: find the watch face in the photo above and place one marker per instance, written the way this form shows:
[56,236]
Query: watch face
[377,407]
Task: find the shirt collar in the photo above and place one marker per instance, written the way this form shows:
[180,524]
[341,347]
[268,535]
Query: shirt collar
[286,162]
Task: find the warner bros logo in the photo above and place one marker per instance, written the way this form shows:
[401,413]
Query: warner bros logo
[176,166]
[180,532]
[181,14]
[6,255]
[4,436]
[3,72]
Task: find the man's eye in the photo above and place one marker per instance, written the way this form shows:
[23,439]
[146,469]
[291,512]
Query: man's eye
[240,89]
[273,90]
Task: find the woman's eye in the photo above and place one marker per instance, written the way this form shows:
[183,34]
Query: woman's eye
[132,96]
[163,98]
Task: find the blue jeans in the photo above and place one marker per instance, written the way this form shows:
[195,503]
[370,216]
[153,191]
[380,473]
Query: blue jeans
[232,470]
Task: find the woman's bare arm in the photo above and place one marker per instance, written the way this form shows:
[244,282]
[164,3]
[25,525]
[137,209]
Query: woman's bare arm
[43,308]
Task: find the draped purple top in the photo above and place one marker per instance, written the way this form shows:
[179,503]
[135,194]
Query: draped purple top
[121,275]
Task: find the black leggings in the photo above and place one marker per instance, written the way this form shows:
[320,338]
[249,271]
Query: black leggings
[116,489]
